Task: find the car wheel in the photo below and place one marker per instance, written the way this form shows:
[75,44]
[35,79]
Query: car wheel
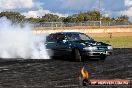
[102,57]
[77,55]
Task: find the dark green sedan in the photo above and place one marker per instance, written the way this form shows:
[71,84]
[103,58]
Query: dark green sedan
[76,45]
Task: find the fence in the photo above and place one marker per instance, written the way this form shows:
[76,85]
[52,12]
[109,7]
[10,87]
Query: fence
[88,23]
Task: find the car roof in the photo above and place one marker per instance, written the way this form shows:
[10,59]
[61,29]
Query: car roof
[66,33]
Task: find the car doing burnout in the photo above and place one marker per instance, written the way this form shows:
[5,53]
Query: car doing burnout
[76,45]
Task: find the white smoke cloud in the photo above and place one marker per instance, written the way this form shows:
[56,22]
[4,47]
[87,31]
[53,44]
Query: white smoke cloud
[15,4]
[20,42]
[40,13]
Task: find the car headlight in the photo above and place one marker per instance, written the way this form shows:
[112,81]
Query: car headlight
[90,48]
[110,47]
[94,48]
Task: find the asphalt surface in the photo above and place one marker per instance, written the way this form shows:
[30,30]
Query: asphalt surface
[58,73]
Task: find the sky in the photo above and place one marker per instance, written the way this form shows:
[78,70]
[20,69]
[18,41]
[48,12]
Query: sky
[63,8]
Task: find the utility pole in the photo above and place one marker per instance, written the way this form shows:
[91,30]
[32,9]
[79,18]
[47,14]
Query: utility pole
[100,23]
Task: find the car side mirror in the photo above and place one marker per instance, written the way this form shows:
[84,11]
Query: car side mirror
[64,41]
[92,39]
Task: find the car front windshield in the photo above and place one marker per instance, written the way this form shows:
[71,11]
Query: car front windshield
[84,37]
[78,37]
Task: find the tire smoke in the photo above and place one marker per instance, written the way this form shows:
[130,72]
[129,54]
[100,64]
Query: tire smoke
[20,42]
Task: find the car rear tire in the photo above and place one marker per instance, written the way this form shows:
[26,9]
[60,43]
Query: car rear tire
[77,55]
[102,57]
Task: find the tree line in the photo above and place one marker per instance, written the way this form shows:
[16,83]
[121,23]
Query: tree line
[80,17]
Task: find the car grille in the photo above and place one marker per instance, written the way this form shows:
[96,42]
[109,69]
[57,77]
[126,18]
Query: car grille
[102,47]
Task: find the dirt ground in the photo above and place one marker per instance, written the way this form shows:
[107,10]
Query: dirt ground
[59,73]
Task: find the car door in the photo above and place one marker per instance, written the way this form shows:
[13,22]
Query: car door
[51,45]
[63,46]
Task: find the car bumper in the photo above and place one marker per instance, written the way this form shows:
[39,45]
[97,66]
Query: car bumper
[93,53]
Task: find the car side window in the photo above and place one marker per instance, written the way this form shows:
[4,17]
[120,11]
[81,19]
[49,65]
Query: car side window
[73,37]
[60,37]
[51,38]
[55,37]
[84,37]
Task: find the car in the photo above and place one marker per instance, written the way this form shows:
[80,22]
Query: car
[76,45]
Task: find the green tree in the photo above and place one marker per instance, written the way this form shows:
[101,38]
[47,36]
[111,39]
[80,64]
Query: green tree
[50,18]
[122,18]
[14,16]
[33,19]
[84,16]
[106,19]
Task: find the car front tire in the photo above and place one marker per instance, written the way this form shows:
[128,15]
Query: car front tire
[77,55]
